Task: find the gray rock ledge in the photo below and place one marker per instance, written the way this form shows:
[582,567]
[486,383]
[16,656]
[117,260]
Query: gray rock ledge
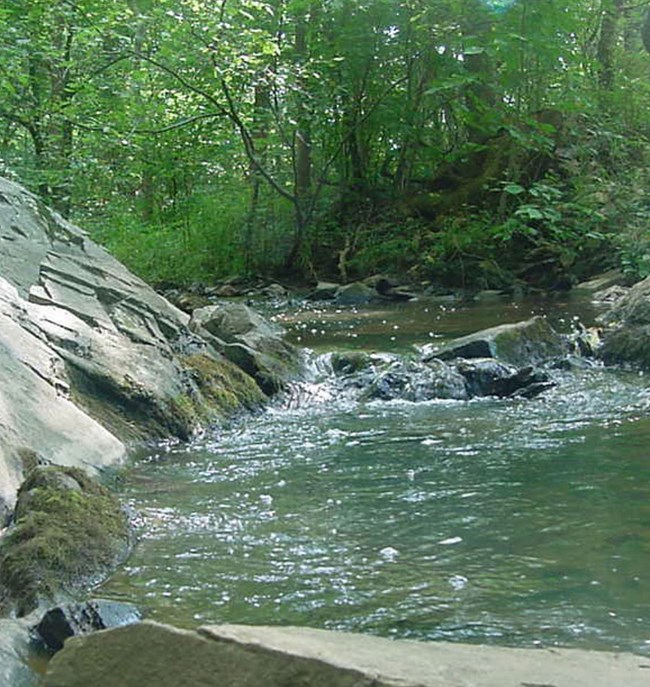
[250,656]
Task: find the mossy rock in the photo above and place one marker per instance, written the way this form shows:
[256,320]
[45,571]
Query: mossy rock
[224,387]
[69,531]
[524,343]
[628,346]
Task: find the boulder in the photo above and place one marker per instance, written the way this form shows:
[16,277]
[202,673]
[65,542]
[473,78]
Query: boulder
[409,380]
[356,293]
[249,656]
[525,343]
[68,532]
[89,352]
[490,377]
[251,342]
[627,339]
[76,619]
[15,654]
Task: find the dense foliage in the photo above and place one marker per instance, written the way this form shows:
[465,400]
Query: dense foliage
[472,142]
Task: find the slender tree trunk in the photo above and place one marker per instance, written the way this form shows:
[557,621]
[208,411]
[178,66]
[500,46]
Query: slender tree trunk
[301,147]
[609,34]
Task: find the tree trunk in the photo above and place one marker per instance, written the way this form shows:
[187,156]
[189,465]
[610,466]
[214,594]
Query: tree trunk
[609,33]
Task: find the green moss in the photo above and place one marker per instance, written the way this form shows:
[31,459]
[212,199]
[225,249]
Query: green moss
[69,531]
[225,387]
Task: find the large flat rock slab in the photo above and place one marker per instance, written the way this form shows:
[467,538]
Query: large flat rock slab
[252,656]
[91,357]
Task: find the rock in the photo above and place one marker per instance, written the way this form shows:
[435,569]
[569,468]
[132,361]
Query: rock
[349,362]
[413,381]
[323,291]
[380,282]
[15,653]
[602,281]
[88,352]
[611,295]
[524,343]
[390,377]
[75,619]
[69,531]
[489,296]
[189,301]
[627,340]
[250,342]
[250,656]
[585,341]
[490,377]
[274,290]
[223,291]
[356,293]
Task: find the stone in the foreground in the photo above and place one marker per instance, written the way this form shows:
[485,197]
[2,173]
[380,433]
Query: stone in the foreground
[82,618]
[250,656]
[68,532]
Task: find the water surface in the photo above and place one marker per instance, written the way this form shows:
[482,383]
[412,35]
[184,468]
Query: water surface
[519,523]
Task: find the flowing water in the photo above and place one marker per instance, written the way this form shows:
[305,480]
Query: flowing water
[519,523]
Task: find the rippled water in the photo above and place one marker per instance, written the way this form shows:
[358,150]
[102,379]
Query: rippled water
[509,522]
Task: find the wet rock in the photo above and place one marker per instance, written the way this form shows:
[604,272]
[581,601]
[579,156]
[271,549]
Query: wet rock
[585,341]
[68,532]
[524,343]
[356,293]
[323,291]
[489,377]
[349,362]
[412,381]
[250,656]
[627,339]
[75,619]
[250,342]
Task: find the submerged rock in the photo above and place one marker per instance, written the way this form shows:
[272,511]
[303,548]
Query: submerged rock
[68,532]
[89,352]
[250,656]
[524,343]
[75,619]
[627,339]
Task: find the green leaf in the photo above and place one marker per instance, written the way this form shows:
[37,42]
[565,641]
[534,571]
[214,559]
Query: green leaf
[514,189]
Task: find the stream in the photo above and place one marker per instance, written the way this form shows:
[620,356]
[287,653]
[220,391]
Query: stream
[512,522]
